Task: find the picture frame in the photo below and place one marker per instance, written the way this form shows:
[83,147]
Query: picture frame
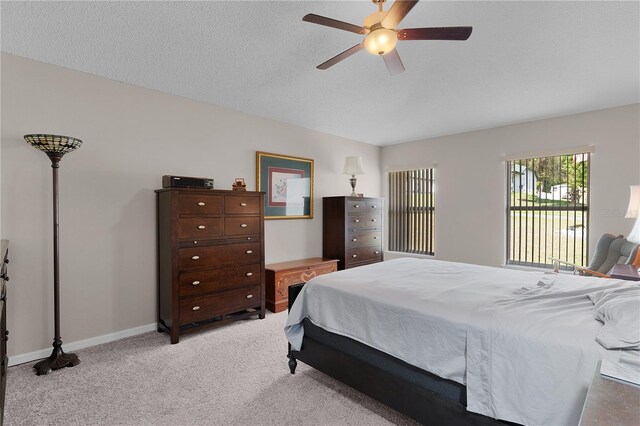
[287,183]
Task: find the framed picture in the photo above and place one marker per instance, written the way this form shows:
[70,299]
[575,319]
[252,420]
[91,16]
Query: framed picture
[288,185]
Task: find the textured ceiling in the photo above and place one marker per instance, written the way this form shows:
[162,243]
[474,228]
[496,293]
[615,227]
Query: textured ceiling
[524,60]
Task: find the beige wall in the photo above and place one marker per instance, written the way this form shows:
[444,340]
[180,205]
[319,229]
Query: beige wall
[470,176]
[132,136]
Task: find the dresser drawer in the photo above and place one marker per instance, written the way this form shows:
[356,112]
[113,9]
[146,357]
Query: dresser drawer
[241,204]
[241,225]
[202,227]
[375,205]
[216,280]
[364,254]
[199,204]
[364,239]
[198,308]
[356,206]
[195,258]
[364,221]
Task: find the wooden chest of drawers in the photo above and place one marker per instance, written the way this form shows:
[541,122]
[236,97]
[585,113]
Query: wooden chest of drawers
[210,258]
[352,230]
[279,276]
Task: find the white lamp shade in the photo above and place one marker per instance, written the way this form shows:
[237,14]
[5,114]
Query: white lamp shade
[353,166]
[634,202]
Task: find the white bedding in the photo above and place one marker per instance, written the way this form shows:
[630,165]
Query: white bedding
[522,342]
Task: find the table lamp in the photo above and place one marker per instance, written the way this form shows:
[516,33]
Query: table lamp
[353,166]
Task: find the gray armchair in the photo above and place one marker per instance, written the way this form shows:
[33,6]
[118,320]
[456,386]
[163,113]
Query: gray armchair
[610,250]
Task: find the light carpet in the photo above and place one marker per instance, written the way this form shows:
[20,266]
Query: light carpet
[233,375]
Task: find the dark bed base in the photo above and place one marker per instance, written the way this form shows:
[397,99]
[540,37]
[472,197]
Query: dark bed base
[416,393]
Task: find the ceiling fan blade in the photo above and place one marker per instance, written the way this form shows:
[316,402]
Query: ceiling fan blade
[436,33]
[333,23]
[341,56]
[393,62]
[397,12]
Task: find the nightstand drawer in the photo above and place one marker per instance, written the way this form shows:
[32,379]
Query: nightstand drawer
[193,309]
[364,239]
[199,204]
[204,227]
[216,280]
[241,204]
[195,258]
[241,225]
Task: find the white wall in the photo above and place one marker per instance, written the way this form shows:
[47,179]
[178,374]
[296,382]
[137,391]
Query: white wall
[470,176]
[132,136]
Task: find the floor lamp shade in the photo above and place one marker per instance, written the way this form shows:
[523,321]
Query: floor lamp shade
[634,212]
[353,166]
[55,146]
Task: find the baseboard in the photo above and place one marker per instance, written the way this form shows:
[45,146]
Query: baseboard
[80,344]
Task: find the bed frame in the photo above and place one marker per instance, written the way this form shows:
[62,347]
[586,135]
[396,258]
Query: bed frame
[423,396]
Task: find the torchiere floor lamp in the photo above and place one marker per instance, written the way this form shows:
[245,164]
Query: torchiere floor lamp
[55,147]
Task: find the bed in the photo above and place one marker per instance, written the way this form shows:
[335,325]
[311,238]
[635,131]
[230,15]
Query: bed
[455,343]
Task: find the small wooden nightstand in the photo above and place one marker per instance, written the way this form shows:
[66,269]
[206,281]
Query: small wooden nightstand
[625,272]
[279,276]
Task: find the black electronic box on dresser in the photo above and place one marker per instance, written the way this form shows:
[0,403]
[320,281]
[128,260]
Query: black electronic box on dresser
[4,334]
[352,230]
[210,258]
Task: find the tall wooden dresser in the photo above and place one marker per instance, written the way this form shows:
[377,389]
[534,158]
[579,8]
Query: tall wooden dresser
[352,230]
[210,258]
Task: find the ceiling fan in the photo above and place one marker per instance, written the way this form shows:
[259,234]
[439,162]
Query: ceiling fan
[382,33]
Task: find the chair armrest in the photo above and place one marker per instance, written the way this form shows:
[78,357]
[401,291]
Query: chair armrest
[582,270]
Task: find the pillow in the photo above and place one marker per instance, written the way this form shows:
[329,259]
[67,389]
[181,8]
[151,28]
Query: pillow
[619,310]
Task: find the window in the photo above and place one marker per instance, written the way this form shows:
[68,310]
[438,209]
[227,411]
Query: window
[411,211]
[548,210]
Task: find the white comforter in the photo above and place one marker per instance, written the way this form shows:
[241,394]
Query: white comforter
[522,342]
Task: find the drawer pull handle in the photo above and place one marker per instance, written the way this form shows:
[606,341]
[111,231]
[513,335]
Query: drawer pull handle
[201,203]
[376,252]
[373,220]
[243,225]
[195,308]
[355,255]
[243,204]
[357,206]
[375,238]
[195,283]
[373,207]
[195,257]
[249,274]
[354,240]
[249,296]
[249,251]
[201,226]
[248,238]
[357,221]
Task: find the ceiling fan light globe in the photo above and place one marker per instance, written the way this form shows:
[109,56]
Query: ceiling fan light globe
[380,41]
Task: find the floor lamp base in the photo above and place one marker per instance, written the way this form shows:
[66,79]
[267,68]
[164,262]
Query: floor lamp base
[57,359]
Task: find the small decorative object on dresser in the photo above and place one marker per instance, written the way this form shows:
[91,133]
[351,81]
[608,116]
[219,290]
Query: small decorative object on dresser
[352,230]
[4,334]
[55,146]
[288,184]
[210,258]
[239,185]
[280,276]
